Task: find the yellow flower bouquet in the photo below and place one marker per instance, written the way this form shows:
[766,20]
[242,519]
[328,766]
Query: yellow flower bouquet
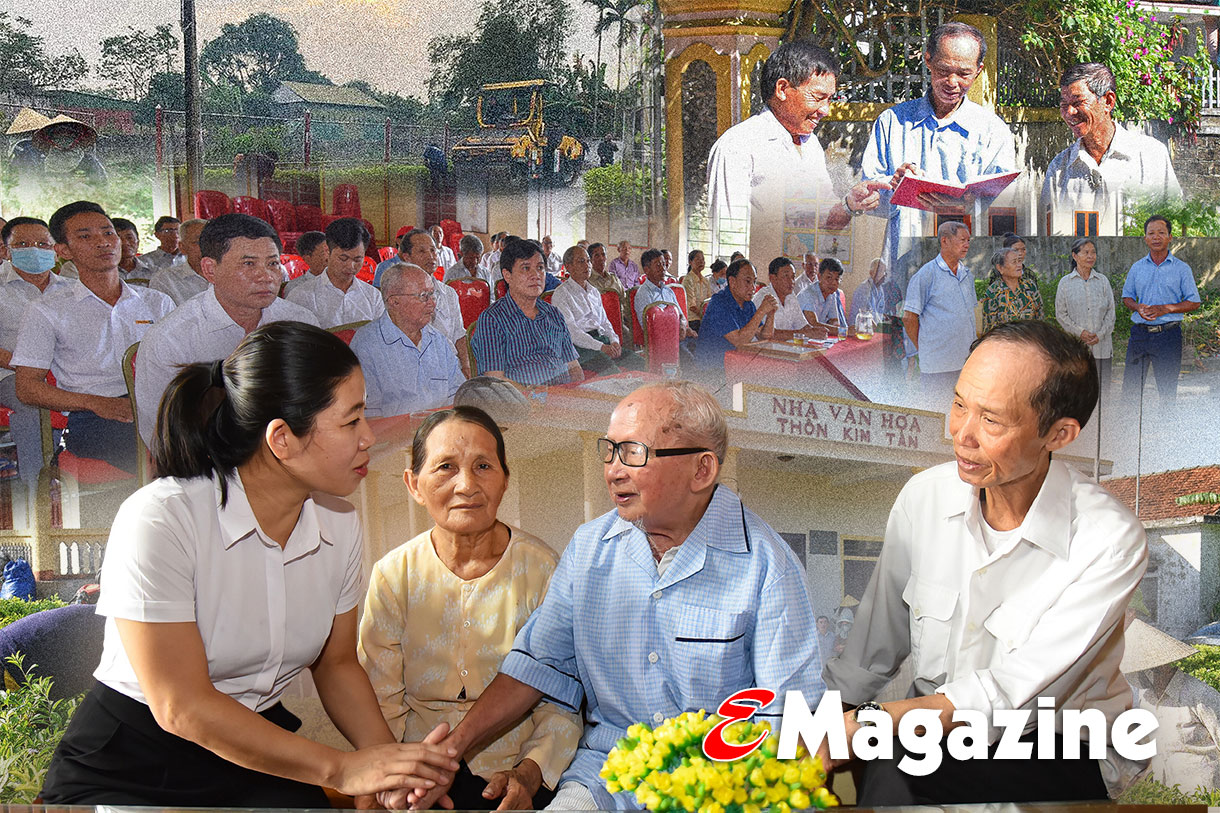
[668,772]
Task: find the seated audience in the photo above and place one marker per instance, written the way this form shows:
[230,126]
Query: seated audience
[823,303]
[80,332]
[601,278]
[878,294]
[131,264]
[241,258]
[182,280]
[25,277]
[443,609]
[1011,294]
[419,249]
[553,263]
[625,631]
[731,320]
[312,248]
[654,289]
[598,347]
[467,264]
[624,267]
[337,297]
[718,279]
[809,272]
[408,364]
[698,289]
[521,337]
[227,577]
[788,319]
[444,254]
[491,260]
[167,234]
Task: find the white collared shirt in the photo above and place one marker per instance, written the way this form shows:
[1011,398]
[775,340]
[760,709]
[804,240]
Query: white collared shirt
[200,330]
[361,302]
[178,281]
[1082,304]
[756,164]
[445,256]
[175,555]
[448,316]
[15,295]
[1075,182]
[581,306]
[1042,615]
[82,339]
[789,315]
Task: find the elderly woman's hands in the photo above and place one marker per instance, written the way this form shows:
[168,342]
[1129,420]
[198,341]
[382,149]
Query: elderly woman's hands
[517,786]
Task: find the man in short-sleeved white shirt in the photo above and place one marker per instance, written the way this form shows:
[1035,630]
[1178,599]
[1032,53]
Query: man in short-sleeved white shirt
[184,279]
[81,332]
[598,347]
[789,316]
[335,296]
[444,255]
[1105,161]
[242,259]
[1005,576]
[419,249]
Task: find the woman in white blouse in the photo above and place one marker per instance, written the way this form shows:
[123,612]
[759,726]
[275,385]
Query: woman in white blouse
[1084,307]
[223,579]
[443,609]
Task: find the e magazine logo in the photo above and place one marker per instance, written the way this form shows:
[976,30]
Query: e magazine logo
[922,736]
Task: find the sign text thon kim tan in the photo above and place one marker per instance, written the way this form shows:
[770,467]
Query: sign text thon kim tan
[842,422]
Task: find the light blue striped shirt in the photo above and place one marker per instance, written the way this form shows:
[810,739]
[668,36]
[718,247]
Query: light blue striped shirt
[824,307]
[731,612]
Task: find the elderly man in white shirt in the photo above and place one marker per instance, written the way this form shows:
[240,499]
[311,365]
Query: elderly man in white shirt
[336,297]
[182,280]
[81,332]
[444,254]
[599,348]
[408,364]
[419,249]
[241,260]
[553,263]
[1004,576]
[467,265]
[25,277]
[1087,179]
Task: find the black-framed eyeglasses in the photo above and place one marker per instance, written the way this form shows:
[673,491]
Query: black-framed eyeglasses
[635,454]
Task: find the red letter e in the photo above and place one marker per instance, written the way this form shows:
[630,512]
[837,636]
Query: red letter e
[714,745]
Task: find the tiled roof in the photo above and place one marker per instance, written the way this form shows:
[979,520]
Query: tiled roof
[1159,492]
[331,94]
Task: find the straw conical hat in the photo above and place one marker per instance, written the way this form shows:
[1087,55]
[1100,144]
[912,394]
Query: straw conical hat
[849,601]
[65,132]
[1146,647]
[27,121]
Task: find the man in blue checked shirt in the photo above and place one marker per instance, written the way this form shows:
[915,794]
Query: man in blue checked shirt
[670,603]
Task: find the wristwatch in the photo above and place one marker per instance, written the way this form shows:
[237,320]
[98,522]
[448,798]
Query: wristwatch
[871,705]
[847,206]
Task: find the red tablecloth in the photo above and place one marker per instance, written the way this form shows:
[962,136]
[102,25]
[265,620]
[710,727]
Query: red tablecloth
[830,372]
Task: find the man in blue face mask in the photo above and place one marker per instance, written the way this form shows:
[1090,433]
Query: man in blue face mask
[25,277]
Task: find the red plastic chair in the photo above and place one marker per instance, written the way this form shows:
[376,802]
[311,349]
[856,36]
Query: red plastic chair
[209,204]
[283,215]
[346,332]
[86,470]
[474,297]
[453,234]
[309,218]
[501,288]
[680,295]
[637,330]
[255,207]
[385,253]
[662,336]
[346,199]
[546,296]
[613,307]
[294,264]
[367,271]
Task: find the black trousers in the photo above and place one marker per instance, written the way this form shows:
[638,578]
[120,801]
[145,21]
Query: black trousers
[115,753]
[977,781]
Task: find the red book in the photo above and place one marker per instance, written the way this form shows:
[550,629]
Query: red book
[985,186]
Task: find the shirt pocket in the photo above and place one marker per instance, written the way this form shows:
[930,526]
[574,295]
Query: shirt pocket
[710,655]
[1010,625]
[931,607]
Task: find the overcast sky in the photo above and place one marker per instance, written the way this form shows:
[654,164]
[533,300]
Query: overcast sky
[382,41]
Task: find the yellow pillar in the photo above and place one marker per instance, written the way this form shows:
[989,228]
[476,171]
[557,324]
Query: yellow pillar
[983,91]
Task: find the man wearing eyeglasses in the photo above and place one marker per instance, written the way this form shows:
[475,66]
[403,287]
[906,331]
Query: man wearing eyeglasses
[408,364]
[677,598]
[941,135]
[166,231]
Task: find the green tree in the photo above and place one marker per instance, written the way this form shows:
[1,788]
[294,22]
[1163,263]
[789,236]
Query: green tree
[165,89]
[130,60]
[256,55]
[25,64]
[615,15]
[512,40]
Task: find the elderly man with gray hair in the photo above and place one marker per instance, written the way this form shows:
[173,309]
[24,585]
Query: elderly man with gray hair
[408,364]
[1081,193]
[939,317]
[669,603]
[470,249]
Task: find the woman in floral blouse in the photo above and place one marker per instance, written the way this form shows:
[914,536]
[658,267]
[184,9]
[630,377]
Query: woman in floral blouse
[1011,294]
